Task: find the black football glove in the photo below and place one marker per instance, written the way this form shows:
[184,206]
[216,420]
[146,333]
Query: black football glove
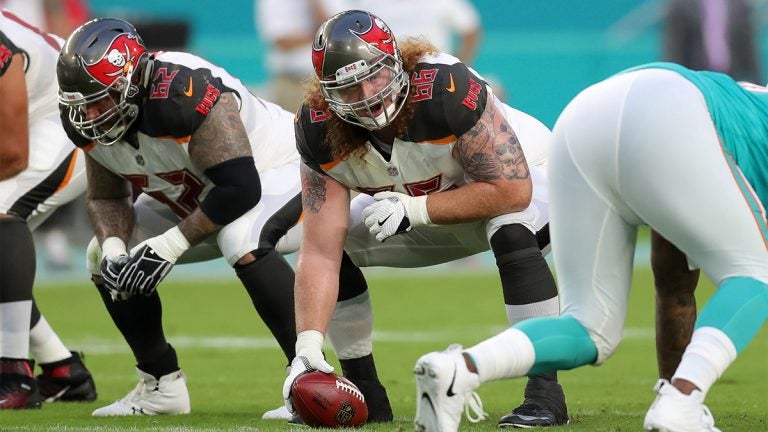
[110,271]
[143,272]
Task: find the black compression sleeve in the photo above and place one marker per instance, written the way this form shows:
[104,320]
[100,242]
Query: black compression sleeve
[237,190]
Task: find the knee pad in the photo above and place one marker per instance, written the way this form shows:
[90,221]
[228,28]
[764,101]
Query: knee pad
[525,276]
[351,327]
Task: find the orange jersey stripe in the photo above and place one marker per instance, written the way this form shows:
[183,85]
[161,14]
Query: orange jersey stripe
[70,170]
[329,165]
[446,140]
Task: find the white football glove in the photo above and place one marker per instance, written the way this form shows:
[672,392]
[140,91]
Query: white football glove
[150,261]
[395,213]
[113,258]
[309,357]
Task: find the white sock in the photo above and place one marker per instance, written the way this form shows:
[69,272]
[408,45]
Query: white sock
[706,358]
[14,329]
[45,345]
[546,308]
[509,354]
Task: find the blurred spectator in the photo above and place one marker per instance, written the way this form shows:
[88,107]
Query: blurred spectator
[59,17]
[716,35]
[439,21]
[288,26]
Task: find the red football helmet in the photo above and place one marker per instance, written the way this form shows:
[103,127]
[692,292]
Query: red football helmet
[356,48]
[102,59]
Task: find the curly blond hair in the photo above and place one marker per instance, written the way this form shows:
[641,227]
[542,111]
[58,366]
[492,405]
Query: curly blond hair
[345,139]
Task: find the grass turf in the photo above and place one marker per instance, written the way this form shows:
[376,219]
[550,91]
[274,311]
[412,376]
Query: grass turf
[235,371]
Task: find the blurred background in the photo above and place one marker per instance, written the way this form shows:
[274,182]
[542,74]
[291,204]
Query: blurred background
[536,54]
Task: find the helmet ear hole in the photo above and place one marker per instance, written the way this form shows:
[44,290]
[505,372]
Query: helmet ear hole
[100,57]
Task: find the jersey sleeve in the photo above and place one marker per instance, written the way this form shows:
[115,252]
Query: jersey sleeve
[310,137]
[180,99]
[7,50]
[464,95]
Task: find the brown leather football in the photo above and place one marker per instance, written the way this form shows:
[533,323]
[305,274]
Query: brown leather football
[328,400]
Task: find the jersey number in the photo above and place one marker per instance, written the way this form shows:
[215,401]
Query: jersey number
[189,198]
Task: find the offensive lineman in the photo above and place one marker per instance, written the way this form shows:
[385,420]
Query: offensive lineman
[439,161]
[213,162]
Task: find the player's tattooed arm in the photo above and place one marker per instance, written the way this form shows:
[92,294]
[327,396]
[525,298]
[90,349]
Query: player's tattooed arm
[108,202]
[313,191]
[490,150]
[219,138]
[675,303]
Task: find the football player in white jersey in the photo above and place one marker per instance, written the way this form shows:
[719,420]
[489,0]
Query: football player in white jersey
[445,171]
[622,158]
[213,163]
[40,171]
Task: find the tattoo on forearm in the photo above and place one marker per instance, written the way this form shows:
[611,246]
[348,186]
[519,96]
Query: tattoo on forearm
[222,135]
[197,227]
[491,150]
[312,189]
[111,217]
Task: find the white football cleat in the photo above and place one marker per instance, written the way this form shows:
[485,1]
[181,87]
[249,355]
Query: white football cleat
[168,395]
[280,413]
[445,388]
[673,411]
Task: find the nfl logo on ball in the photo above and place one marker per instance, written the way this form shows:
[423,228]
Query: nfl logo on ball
[345,413]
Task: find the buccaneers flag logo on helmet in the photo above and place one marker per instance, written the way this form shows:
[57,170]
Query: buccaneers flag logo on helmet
[378,35]
[119,60]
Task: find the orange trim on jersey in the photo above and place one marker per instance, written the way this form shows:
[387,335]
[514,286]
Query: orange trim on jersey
[329,165]
[179,140]
[301,218]
[446,140]
[89,147]
[70,170]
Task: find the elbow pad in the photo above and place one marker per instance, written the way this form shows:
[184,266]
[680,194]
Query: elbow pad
[237,189]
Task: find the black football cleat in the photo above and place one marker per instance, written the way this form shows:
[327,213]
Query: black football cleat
[66,380]
[544,405]
[18,388]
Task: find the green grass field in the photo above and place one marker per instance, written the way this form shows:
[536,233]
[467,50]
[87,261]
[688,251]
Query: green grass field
[235,372]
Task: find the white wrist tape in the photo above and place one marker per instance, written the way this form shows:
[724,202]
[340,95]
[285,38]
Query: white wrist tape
[113,247]
[309,342]
[417,211]
[175,244]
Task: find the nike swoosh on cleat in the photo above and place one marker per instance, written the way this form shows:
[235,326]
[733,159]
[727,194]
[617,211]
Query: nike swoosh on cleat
[58,395]
[382,222]
[450,392]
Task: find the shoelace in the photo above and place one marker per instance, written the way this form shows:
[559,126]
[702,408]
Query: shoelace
[473,408]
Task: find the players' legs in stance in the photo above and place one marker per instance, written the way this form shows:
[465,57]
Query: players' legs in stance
[527,283]
[263,272]
[604,183]
[26,201]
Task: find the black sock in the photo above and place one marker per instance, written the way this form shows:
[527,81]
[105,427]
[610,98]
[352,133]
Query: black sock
[362,372]
[166,363]
[139,319]
[17,260]
[269,282]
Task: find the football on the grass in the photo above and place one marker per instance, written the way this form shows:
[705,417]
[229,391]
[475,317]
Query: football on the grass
[328,400]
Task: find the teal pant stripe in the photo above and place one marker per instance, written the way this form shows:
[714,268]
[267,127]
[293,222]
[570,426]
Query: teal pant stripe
[746,191]
[739,308]
[560,343]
